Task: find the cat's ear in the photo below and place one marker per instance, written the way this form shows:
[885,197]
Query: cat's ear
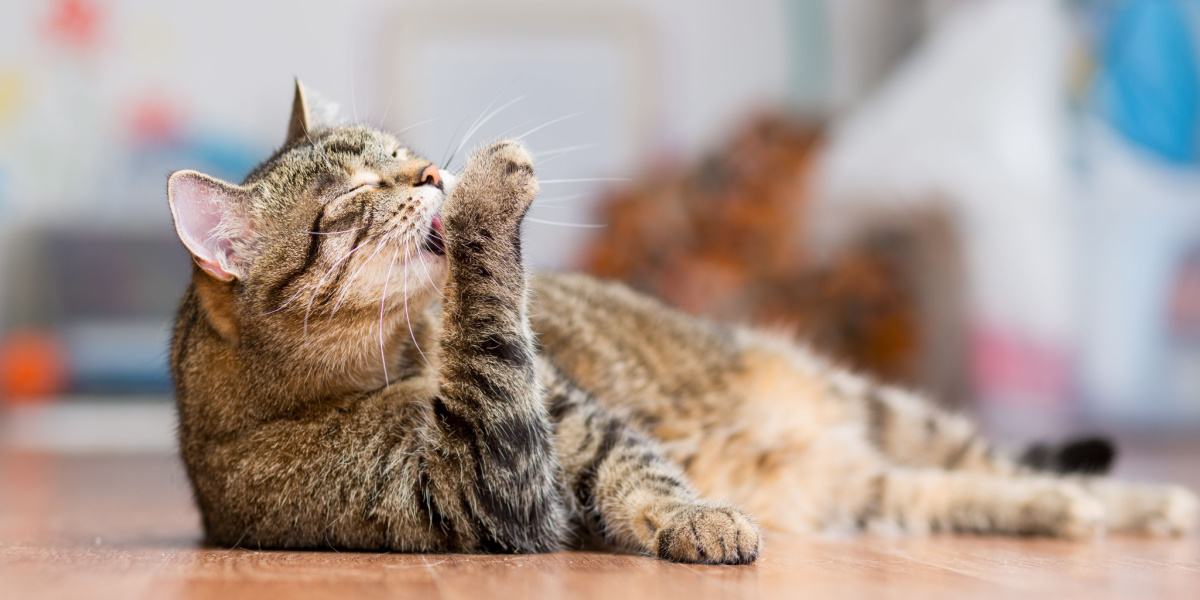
[311,111]
[298,125]
[212,220]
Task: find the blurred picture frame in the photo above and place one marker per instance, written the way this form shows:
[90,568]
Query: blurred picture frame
[439,82]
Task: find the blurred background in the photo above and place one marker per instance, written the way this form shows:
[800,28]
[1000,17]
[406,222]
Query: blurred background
[996,201]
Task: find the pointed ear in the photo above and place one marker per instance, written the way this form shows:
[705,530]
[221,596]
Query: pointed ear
[298,126]
[310,111]
[211,220]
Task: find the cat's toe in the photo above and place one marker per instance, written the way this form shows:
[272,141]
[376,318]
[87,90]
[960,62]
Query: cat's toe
[1063,511]
[1152,509]
[711,535]
[1177,512]
[503,174]
[510,150]
[494,191]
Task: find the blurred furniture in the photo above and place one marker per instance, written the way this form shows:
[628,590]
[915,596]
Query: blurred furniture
[88,311]
[731,238]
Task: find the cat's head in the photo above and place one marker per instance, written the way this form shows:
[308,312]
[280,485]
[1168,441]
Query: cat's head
[341,218]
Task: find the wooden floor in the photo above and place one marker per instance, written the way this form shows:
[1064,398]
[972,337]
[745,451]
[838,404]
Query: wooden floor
[87,526]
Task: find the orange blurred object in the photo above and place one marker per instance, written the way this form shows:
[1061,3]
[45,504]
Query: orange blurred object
[32,368]
[730,237]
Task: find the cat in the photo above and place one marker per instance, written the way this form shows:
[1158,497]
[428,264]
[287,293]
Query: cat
[362,362]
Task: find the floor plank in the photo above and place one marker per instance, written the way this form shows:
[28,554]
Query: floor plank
[122,526]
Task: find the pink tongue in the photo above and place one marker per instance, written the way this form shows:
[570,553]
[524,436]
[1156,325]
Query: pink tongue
[437,223]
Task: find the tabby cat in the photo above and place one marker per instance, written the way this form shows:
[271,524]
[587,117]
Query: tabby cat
[362,362]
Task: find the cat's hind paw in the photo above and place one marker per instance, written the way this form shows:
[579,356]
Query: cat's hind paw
[1178,514]
[1063,511]
[1167,510]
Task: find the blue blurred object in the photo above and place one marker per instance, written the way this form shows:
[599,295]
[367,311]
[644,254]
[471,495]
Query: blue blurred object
[226,157]
[1149,84]
[108,297]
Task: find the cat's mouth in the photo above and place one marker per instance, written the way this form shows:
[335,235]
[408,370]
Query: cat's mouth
[434,242]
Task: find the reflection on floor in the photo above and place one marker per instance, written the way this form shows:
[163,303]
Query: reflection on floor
[122,526]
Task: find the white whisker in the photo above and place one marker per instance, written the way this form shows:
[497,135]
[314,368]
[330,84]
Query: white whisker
[541,161]
[346,286]
[331,232]
[428,276]
[584,180]
[353,99]
[483,120]
[324,155]
[450,142]
[504,134]
[408,316]
[284,304]
[557,199]
[382,310]
[563,150]
[563,224]
[448,155]
[321,284]
[556,207]
[387,108]
[481,123]
[547,124]
[416,125]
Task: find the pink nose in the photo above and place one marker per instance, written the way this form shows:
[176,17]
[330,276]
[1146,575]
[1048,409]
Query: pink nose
[431,176]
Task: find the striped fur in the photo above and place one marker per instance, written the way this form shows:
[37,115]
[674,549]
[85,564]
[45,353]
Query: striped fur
[354,390]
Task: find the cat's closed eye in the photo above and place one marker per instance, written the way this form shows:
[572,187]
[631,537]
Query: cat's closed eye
[359,183]
[355,191]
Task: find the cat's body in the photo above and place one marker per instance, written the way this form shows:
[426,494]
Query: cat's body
[333,398]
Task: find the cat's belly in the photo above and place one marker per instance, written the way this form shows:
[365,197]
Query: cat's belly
[634,354]
[748,417]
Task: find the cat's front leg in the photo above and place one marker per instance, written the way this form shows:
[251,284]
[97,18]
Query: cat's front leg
[488,391]
[624,490]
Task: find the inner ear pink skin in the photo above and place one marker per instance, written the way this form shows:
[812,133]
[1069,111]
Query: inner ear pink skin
[205,211]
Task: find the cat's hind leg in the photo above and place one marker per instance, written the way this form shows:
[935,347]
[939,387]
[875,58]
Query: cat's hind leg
[1145,508]
[921,500]
[911,431]
[626,492]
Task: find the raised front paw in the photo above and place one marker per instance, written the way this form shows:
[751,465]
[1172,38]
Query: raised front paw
[707,534]
[497,187]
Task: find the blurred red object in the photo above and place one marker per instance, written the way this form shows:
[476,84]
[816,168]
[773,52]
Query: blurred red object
[32,368]
[75,23]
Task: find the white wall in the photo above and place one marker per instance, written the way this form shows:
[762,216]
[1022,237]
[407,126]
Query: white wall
[224,68]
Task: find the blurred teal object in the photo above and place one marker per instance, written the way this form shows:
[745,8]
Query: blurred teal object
[226,157]
[1149,84]
[809,50]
